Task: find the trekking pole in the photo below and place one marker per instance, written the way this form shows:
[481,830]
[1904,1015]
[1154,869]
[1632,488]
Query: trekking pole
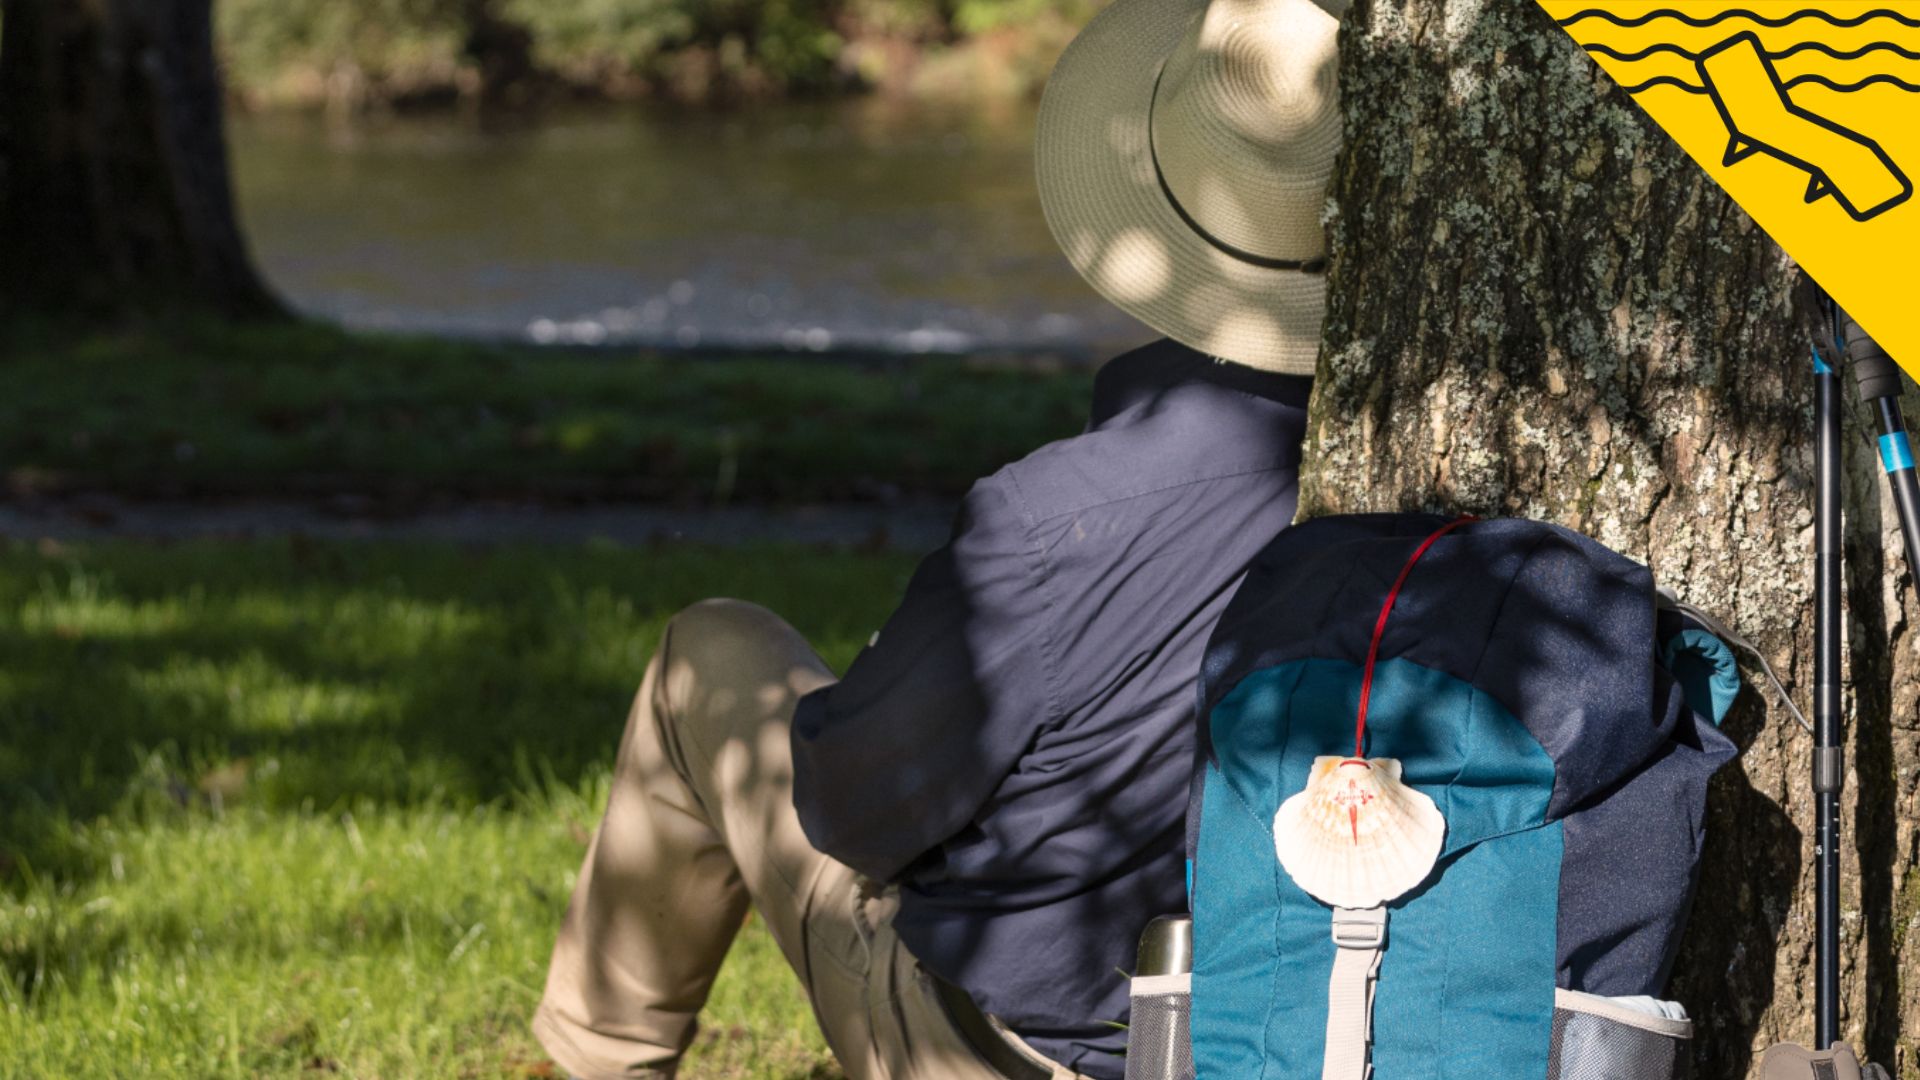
[1827,770]
[1878,379]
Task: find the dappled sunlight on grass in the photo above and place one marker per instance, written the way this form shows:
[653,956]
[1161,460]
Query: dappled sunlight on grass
[212,937]
[250,693]
[72,604]
[275,807]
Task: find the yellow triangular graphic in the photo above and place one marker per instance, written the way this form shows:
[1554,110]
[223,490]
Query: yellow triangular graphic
[1806,111]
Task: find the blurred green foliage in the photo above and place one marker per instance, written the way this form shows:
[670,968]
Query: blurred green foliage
[784,44]
[358,52]
[270,47]
[981,16]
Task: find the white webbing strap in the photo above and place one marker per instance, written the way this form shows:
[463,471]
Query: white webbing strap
[1359,936]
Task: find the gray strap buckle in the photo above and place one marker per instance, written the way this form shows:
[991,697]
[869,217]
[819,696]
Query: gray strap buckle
[1360,928]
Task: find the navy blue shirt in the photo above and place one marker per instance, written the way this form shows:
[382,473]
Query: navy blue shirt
[1015,748]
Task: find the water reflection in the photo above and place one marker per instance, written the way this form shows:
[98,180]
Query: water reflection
[863,225]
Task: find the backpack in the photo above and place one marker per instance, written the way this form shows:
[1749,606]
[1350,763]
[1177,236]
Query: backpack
[1483,704]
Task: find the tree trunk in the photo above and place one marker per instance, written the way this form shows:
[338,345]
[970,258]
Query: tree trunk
[114,192]
[1540,306]
[502,51]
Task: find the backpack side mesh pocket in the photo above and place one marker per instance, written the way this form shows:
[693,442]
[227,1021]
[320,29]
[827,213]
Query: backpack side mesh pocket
[1159,1045]
[1597,1038]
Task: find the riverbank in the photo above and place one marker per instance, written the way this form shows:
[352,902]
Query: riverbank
[298,797]
[352,56]
[380,424]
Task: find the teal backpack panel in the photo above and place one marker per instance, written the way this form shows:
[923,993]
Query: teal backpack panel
[1482,928]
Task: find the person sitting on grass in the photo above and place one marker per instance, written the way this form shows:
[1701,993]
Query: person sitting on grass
[957,845]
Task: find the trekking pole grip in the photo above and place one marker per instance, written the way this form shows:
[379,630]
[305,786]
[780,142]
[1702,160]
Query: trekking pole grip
[1874,372]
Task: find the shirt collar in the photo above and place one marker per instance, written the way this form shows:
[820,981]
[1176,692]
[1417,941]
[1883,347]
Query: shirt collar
[1151,369]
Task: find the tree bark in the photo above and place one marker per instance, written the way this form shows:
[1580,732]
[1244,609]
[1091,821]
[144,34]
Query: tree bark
[1541,306]
[114,187]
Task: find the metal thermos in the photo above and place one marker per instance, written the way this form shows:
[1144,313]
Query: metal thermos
[1159,1037]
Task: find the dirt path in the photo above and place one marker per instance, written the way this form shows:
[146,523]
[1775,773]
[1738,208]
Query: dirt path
[914,527]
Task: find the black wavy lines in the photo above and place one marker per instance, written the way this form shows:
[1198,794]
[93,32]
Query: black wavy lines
[1847,88]
[1800,80]
[1740,13]
[1805,46]
[1666,80]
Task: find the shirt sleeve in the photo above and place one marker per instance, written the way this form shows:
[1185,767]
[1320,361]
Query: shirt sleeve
[899,756]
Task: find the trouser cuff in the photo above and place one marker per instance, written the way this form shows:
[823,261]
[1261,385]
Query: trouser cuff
[552,1032]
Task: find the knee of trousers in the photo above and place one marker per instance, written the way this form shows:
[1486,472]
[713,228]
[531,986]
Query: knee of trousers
[721,616]
[719,652]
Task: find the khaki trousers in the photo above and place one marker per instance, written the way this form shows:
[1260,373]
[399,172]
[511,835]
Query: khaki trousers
[700,823]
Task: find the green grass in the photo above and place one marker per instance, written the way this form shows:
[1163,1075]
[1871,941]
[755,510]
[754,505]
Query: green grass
[294,809]
[208,409]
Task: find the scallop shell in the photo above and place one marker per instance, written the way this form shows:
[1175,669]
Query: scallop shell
[1357,837]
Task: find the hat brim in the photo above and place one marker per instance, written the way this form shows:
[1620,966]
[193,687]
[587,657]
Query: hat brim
[1110,214]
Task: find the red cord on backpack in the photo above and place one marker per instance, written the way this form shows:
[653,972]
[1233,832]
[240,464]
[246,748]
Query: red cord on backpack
[1380,629]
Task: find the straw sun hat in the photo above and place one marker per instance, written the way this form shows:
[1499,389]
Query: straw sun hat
[1183,156]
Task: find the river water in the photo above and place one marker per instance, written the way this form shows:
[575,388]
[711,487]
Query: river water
[863,224]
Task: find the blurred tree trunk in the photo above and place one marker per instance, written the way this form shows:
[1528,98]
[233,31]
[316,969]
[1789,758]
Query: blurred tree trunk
[501,50]
[114,189]
[1540,306]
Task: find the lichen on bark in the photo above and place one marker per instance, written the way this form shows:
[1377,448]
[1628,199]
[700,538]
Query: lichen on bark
[1540,306]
